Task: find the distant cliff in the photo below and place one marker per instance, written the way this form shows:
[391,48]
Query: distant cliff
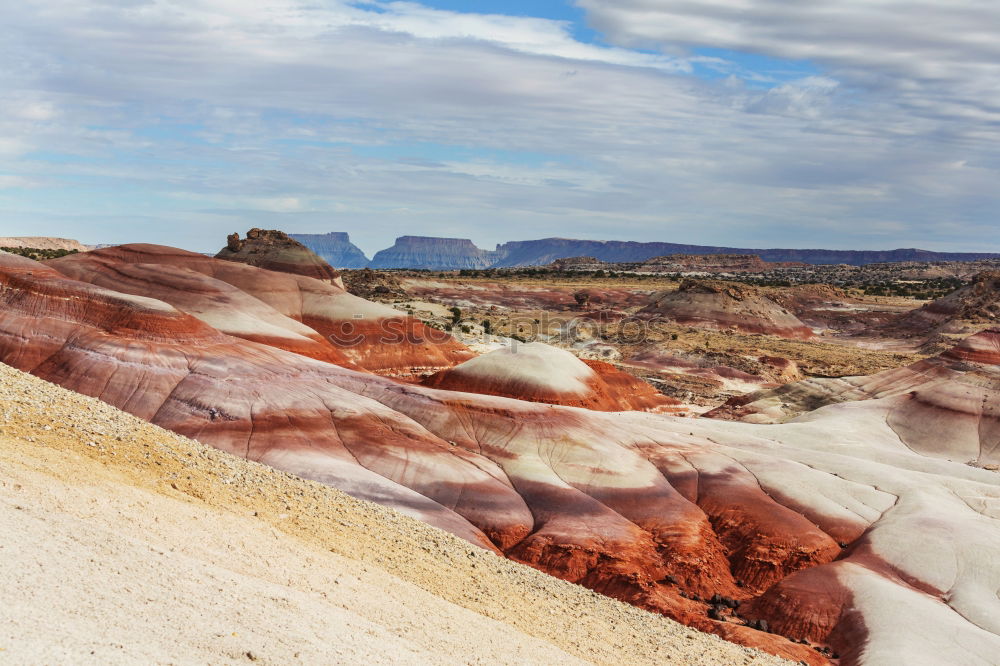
[457,253]
[433,253]
[547,250]
[335,247]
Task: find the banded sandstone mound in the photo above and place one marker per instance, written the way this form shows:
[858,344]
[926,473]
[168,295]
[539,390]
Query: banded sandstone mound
[284,310]
[946,406]
[976,303]
[136,545]
[722,305]
[823,306]
[822,529]
[274,250]
[540,373]
[335,248]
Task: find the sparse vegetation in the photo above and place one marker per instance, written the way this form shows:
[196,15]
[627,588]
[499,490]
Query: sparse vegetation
[38,254]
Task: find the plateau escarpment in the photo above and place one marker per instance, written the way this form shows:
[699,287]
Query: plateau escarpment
[801,538]
[428,252]
[432,253]
[335,248]
[546,250]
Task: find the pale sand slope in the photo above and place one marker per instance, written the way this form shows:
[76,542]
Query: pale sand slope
[124,543]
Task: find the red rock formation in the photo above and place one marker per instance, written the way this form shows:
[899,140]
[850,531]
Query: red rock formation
[540,373]
[276,251]
[288,311]
[724,305]
[655,510]
[433,253]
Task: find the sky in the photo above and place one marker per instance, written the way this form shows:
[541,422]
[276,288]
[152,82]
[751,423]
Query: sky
[846,124]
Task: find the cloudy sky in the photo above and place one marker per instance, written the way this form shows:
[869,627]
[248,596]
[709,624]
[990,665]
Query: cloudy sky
[760,123]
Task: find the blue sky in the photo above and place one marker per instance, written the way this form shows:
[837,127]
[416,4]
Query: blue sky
[846,125]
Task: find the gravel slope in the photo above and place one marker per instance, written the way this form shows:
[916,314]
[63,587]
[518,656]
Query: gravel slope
[124,543]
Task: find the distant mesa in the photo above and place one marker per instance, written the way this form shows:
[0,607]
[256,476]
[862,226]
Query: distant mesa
[335,248]
[546,250]
[433,253]
[538,372]
[725,305]
[276,251]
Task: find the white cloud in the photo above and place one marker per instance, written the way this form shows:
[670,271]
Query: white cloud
[266,111]
[940,59]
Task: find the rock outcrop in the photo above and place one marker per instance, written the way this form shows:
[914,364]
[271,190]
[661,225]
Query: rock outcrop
[373,285]
[275,251]
[725,305]
[829,530]
[538,372]
[335,248]
[578,264]
[433,253]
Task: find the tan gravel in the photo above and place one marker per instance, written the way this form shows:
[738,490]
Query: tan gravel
[124,543]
